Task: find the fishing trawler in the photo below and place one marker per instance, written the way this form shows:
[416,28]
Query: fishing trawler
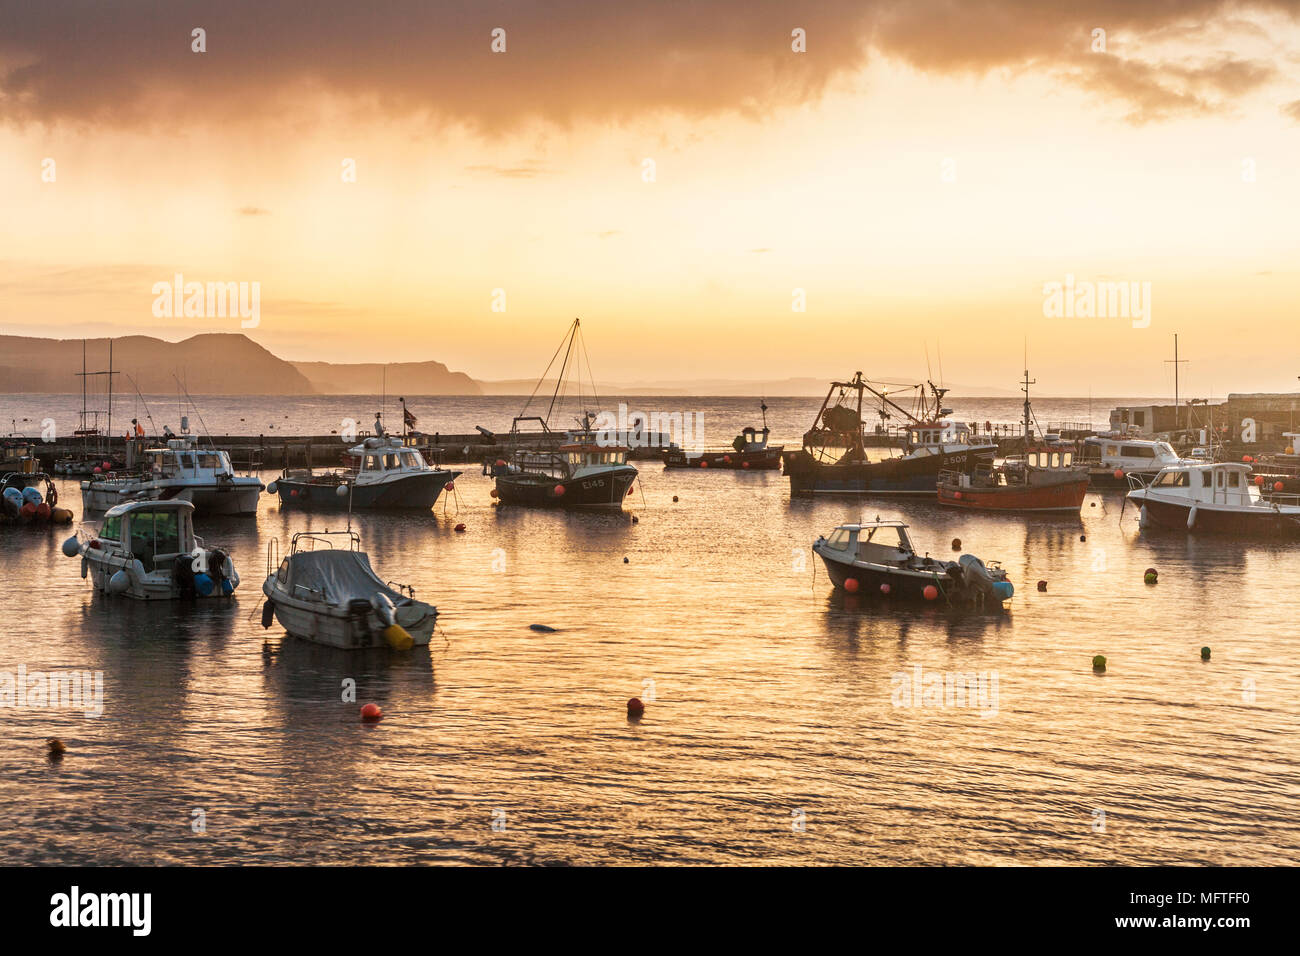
[387,474]
[1044,478]
[179,470]
[749,450]
[584,468]
[1218,498]
[833,459]
[147,550]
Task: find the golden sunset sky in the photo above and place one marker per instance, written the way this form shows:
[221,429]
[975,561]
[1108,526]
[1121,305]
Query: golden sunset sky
[921,171]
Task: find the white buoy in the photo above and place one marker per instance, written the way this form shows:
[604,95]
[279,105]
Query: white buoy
[1191,518]
[341,491]
[72,547]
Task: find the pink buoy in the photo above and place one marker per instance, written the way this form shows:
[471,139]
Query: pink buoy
[450,486]
[884,588]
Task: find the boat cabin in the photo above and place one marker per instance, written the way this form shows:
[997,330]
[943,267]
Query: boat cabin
[374,461]
[1048,458]
[1129,454]
[182,458]
[155,533]
[935,436]
[1222,483]
[749,439]
[878,542]
[581,457]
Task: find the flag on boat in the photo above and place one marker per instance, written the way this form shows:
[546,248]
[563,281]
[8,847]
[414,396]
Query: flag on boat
[408,417]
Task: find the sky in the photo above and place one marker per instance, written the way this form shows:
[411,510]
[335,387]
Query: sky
[897,196]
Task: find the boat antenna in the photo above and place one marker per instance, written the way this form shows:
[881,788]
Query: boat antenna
[1028,414]
[762,404]
[193,405]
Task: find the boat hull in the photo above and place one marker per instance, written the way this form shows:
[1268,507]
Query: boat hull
[603,490]
[221,498]
[767,460]
[335,628]
[1240,522]
[1063,497]
[416,492]
[917,475]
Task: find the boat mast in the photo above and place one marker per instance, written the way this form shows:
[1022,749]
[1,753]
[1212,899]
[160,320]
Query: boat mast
[110,393]
[1025,388]
[559,379]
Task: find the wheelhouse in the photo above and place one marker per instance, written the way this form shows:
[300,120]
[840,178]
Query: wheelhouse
[1050,458]
[154,533]
[1223,483]
[182,458]
[878,542]
[938,433]
[580,456]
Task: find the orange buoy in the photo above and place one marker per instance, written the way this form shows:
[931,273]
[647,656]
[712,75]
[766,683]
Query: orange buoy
[957,495]
[674,499]
[635,708]
[851,585]
[1247,459]
[493,492]
[449,486]
[460,527]
[703,463]
[559,490]
[1119,473]
[371,712]
[1042,585]
[501,462]
[43,511]
[744,464]
[931,592]
[1259,481]
[1278,486]
[727,459]
[956,544]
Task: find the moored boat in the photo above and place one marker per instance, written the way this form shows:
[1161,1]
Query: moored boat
[834,460]
[1110,459]
[147,550]
[1044,478]
[585,468]
[181,471]
[749,451]
[388,475]
[331,595]
[877,558]
[1218,498]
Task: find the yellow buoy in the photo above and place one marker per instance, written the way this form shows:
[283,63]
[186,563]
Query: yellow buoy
[398,638]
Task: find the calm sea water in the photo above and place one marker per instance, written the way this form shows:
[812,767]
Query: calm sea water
[771,733]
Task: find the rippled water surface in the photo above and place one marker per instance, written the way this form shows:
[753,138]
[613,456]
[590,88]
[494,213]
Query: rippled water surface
[772,735]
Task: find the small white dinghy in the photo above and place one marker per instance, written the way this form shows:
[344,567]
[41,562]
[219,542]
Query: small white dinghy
[332,596]
[147,550]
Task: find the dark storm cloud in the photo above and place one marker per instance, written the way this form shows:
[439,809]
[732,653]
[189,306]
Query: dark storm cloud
[130,63]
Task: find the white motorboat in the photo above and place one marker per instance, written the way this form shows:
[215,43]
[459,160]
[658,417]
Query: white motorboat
[147,550]
[1216,498]
[1110,460]
[385,475]
[331,595]
[179,471]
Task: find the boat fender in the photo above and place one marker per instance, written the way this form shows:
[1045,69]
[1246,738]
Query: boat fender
[72,547]
[119,583]
[268,614]
[384,609]
[1191,518]
[975,574]
[203,584]
[85,567]
[272,488]
[398,638]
